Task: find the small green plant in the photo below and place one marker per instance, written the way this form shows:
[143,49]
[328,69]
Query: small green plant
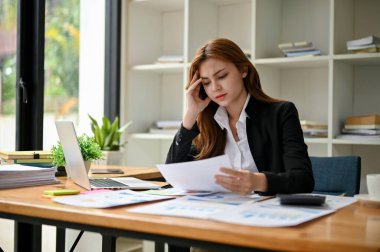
[108,135]
[89,147]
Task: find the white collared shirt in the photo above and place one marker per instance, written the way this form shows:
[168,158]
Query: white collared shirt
[238,152]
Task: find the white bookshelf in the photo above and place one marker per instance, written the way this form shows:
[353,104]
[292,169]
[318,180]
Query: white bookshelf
[325,88]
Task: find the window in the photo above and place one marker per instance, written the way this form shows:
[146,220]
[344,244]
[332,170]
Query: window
[74,64]
[8,37]
[62,38]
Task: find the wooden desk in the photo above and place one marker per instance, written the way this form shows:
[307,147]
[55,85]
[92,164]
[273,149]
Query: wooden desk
[144,173]
[353,228]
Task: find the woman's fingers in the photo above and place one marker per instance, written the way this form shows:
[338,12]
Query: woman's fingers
[237,181]
[195,76]
[230,171]
[194,84]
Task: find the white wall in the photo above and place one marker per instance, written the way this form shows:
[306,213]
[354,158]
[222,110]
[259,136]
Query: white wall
[91,61]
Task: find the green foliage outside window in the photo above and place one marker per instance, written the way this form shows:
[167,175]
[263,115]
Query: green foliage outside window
[61,51]
[8,80]
[62,48]
[8,11]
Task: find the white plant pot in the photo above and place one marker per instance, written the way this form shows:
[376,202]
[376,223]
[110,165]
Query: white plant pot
[113,157]
[87,164]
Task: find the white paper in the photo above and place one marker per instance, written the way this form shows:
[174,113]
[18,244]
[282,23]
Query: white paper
[271,213]
[108,199]
[187,206]
[264,215]
[200,207]
[244,210]
[135,183]
[337,202]
[332,202]
[176,192]
[195,175]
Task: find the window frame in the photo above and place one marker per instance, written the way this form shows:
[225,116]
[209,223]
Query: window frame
[112,59]
[30,74]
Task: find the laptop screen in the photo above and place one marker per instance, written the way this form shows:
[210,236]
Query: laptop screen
[75,167]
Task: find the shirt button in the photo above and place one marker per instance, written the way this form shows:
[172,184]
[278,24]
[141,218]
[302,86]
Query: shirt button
[178,139]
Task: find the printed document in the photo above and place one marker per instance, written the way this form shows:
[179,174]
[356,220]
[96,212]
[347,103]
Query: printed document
[200,207]
[271,213]
[264,215]
[244,210]
[195,175]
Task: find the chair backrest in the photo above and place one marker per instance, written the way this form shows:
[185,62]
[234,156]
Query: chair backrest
[336,175]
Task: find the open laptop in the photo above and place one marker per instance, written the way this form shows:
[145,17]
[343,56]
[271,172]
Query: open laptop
[76,169]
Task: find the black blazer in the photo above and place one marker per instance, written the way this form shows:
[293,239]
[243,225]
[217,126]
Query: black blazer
[276,142]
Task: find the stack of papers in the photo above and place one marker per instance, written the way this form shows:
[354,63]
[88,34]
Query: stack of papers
[12,176]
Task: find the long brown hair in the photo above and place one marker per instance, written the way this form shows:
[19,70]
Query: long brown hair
[212,139]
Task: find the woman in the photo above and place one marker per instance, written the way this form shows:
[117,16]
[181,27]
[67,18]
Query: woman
[228,113]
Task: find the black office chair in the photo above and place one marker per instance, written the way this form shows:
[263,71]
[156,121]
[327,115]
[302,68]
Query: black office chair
[336,175]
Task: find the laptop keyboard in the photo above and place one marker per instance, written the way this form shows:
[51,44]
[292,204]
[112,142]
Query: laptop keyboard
[107,183]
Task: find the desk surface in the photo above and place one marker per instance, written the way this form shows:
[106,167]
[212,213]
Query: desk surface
[353,228]
[129,171]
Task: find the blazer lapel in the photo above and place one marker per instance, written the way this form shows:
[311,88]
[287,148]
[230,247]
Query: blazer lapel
[253,135]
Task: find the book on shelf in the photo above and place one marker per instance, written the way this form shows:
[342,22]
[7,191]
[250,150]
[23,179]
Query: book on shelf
[294,45]
[37,154]
[315,134]
[305,124]
[297,49]
[314,52]
[358,137]
[367,50]
[364,41]
[169,131]
[170,59]
[371,119]
[362,126]
[168,124]
[42,162]
[361,131]
[368,44]
[362,47]
[33,161]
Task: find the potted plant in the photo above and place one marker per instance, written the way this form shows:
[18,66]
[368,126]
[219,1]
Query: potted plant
[90,150]
[108,137]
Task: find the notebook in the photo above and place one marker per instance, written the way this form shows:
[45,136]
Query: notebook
[77,171]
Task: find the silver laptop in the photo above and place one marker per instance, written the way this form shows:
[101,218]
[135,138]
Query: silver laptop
[76,169]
